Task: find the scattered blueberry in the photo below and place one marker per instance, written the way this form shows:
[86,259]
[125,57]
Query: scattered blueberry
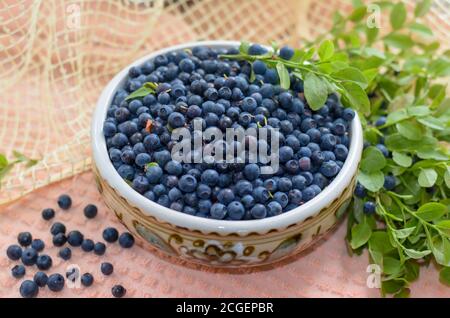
[118,291]
[48,214]
[65,253]
[107,268]
[110,234]
[64,201]
[87,245]
[99,248]
[87,279]
[29,289]
[40,278]
[126,240]
[55,282]
[14,252]
[90,211]
[360,191]
[59,239]
[44,262]
[75,238]
[389,182]
[18,271]
[369,207]
[29,256]
[38,245]
[24,238]
[58,227]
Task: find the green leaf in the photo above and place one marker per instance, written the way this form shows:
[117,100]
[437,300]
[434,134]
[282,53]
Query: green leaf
[422,8]
[379,242]
[397,142]
[360,235]
[398,16]
[243,48]
[444,275]
[358,14]
[403,233]
[447,177]
[352,74]
[316,91]
[371,181]
[399,41]
[418,111]
[440,67]
[431,122]
[421,29]
[372,160]
[326,50]
[3,161]
[370,74]
[396,116]
[283,74]
[431,211]
[144,90]
[410,130]
[391,265]
[356,96]
[416,254]
[427,177]
[444,225]
[401,159]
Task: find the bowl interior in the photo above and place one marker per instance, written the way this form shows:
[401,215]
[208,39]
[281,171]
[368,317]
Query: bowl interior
[222,227]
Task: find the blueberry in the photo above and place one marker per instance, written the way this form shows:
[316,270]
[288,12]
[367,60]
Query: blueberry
[348,114]
[24,238]
[203,191]
[29,289]
[259,67]
[274,208]
[286,99]
[38,245]
[383,150]
[126,240]
[281,198]
[154,173]
[87,279]
[320,180]
[249,104]
[328,142]
[75,238]
[284,184]
[29,256]
[389,182]
[48,214]
[174,168]
[186,65]
[90,211]
[308,194]
[55,282]
[57,227]
[99,248]
[40,278]
[286,52]
[110,234]
[369,207]
[251,171]
[187,183]
[292,166]
[360,191]
[225,196]
[210,177]
[261,194]
[59,239]
[271,185]
[285,154]
[152,142]
[298,182]
[329,169]
[218,211]
[44,262]
[295,196]
[118,291]
[236,210]
[87,245]
[64,201]
[18,271]
[341,152]
[14,252]
[380,121]
[271,76]
[107,268]
[176,120]
[65,253]
[140,184]
[258,211]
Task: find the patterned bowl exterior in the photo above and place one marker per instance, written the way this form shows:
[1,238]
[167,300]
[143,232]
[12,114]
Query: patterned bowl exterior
[230,250]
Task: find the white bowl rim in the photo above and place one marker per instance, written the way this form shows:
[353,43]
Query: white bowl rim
[204,225]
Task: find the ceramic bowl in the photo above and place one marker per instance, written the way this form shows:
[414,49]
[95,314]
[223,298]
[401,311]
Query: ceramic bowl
[218,242]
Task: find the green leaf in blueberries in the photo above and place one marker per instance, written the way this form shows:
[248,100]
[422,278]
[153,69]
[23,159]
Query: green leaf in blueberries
[283,74]
[402,159]
[427,177]
[356,96]
[403,233]
[431,122]
[316,91]
[399,41]
[431,211]
[422,8]
[447,176]
[360,234]
[372,160]
[398,16]
[358,14]
[326,50]
[421,29]
[371,181]
[144,90]
[416,254]
[243,48]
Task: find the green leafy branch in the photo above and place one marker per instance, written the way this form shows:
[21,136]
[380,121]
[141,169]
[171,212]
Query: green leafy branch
[6,166]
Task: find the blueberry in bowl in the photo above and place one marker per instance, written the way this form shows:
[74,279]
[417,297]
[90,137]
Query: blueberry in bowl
[207,158]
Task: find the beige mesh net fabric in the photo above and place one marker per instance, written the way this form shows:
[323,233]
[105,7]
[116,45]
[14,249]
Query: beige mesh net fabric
[57,55]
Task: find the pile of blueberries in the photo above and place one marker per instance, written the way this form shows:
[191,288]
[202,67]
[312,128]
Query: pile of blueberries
[29,251]
[199,84]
